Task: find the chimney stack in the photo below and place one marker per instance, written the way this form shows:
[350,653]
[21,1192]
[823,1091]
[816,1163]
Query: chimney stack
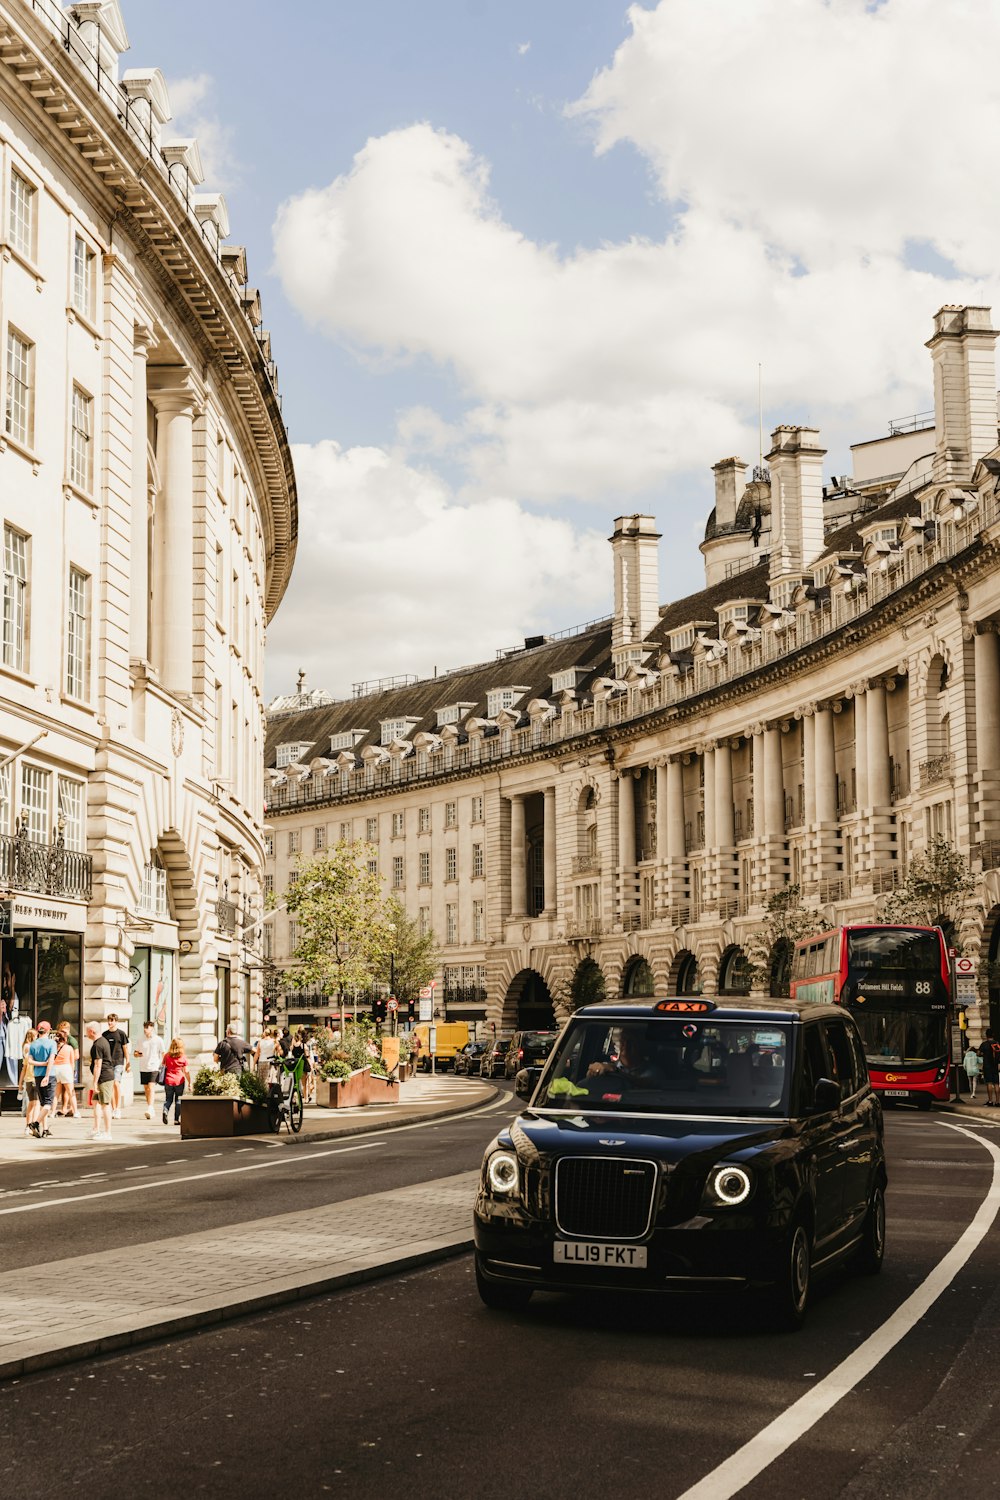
[965,391]
[637,579]
[730,482]
[796,463]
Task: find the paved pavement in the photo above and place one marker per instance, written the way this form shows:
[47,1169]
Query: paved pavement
[421,1098]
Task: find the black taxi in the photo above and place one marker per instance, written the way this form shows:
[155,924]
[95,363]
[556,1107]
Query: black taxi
[685,1145]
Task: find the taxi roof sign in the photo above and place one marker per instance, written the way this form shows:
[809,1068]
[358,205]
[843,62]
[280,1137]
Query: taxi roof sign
[686,1007]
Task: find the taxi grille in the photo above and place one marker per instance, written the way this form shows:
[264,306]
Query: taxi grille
[604,1199]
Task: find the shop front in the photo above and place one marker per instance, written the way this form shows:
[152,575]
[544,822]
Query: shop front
[41,973]
[151,997]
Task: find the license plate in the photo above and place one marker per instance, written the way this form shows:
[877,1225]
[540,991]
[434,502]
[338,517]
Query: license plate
[896,1093]
[588,1253]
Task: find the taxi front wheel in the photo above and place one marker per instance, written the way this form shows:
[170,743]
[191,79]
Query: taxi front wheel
[871,1251]
[788,1297]
[499,1297]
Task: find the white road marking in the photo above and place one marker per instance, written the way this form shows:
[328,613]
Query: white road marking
[142,1168]
[49,1182]
[145,1187]
[777,1437]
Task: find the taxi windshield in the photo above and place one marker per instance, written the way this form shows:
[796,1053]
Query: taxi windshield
[670,1065]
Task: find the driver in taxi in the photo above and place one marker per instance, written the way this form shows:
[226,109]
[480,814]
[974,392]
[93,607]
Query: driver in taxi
[633,1062]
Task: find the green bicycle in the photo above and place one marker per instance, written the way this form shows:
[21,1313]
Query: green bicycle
[284,1095]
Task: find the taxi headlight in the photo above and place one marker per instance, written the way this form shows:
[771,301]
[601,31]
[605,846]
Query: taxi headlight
[502,1173]
[729,1185]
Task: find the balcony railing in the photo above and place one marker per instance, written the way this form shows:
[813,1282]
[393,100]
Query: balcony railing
[49,869]
[632,921]
[586,864]
[680,915]
[830,890]
[887,878]
[935,770]
[988,853]
[578,928]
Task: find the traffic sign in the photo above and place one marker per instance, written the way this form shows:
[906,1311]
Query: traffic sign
[427,992]
[393,1003]
[965,968]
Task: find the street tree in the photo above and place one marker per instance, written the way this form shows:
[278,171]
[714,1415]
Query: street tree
[939,885]
[344,927]
[411,959]
[770,949]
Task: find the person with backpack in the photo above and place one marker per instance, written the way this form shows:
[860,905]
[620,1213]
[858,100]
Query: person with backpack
[973,1065]
[990,1054]
[230,1052]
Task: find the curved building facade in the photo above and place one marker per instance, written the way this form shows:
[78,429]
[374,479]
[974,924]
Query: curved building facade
[614,807]
[149,514]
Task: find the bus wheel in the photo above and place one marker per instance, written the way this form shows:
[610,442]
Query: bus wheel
[872,1249]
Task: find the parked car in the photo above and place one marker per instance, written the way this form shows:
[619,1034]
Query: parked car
[469,1059]
[528,1049]
[684,1144]
[493,1057]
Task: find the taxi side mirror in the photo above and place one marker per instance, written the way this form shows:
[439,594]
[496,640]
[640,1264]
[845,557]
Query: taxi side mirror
[827,1095]
[522,1084]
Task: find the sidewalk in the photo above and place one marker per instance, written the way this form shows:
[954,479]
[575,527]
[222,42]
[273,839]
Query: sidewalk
[84,1305]
[425,1097]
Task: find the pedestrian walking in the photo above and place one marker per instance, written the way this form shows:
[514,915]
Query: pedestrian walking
[102,1082]
[973,1068]
[121,1062]
[26,1091]
[264,1051]
[64,1071]
[176,1074]
[150,1055]
[229,1053]
[42,1053]
[989,1053]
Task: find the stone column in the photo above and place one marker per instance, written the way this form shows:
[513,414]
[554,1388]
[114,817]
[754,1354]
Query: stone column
[675,810]
[549,851]
[139,532]
[861,745]
[725,831]
[774,785]
[986,647]
[757,763]
[173,536]
[809,766]
[708,756]
[879,791]
[663,846]
[825,797]
[626,821]
[518,862]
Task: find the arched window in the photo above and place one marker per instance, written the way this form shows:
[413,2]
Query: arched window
[637,981]
[688,978]
[734,972]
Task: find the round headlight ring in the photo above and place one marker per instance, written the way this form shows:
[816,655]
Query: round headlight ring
[731,1185]
[501,1172]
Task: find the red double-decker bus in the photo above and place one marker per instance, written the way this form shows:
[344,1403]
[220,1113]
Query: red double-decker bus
[896,982]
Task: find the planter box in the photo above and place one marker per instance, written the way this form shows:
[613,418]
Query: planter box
[343,1093]
[205,1117]
[383,1091]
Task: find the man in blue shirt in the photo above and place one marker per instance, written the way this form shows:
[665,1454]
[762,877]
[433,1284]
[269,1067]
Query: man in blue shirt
[42,1051]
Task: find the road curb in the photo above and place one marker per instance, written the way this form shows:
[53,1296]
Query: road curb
[362,1127]
[193,1322]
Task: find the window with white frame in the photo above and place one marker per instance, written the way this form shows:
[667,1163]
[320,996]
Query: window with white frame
[424,920]
[398,876]
[398,825]
[71,812]
[153,891]
[6,809]
[19,417]
[478,863]
[78,635]
[395,729]
[83,277]
[449,715]
[451,864]
[500,698]
[345,833]
[424,820]
[373,867]
[269,845]
[289,754]
[267,940]
[477,809]
[268,886]
[293,936]
[425,867]
[80,435]
[294,840]
[15,595]
[680,640]
[451,922]
[21,215]
[371,830]
[451,815]
[319,838]
[478,922]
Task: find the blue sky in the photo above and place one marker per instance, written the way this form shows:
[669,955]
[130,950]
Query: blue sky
[520,262]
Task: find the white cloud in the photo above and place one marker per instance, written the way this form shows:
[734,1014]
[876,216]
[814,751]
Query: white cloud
[522,48]
[393,575]
[194,115]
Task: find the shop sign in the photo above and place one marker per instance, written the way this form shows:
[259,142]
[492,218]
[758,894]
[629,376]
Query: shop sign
[29,913]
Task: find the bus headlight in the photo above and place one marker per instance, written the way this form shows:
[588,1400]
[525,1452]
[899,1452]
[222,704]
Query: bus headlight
[728,1186]
[502,1173]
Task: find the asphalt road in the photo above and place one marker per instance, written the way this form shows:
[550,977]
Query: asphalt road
[410,1386]
[117,1197]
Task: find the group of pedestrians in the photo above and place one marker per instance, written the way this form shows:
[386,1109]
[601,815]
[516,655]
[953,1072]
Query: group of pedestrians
[984,1062]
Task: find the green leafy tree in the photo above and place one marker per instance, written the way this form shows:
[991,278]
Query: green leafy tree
[412,959]
[344,927]
[939,883]
[769,951]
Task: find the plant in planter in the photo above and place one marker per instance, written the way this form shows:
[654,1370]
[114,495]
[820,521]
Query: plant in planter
[337,1067]
[219,1106]
[253,1088]
[213,1082]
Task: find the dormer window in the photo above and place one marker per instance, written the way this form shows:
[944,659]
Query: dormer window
[346,739]
[566,682]
[289,754]
[500,698]
[682,640]
[396,729]
[452,713]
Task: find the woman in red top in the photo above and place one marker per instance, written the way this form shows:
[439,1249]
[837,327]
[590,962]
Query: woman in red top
[175,1076]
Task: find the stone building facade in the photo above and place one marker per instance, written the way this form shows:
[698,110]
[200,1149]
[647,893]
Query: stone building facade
[149,514]
[615,806]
